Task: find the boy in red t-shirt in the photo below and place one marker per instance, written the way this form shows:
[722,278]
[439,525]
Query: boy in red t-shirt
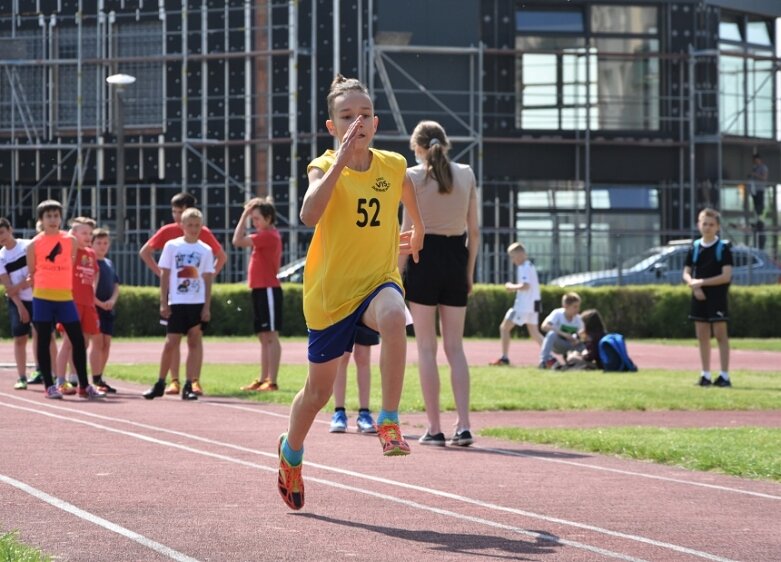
[85,277]
[179,203]
[264,261]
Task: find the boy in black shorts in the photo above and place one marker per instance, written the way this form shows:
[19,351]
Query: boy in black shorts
[708,273]
[187,271]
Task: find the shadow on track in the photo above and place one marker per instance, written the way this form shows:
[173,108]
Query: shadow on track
[458,543]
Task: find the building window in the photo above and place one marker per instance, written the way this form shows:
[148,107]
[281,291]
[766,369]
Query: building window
[67,99]
[569,77]
[746,86]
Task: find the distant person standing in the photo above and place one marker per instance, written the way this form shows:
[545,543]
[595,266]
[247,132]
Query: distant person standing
[106,295]
[266,244]
[362,353]
[758,183]
[708,273]
[442,280]
[179,204]
[526,309]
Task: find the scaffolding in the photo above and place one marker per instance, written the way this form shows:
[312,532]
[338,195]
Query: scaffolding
[229,103]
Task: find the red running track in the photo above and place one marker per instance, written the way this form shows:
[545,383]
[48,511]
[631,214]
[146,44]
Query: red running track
[130,479]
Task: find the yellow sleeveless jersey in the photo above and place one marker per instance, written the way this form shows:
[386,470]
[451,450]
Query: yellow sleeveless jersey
[355,246]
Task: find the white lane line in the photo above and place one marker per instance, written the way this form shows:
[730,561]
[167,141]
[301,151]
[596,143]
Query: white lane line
[559,461]
[479,520]
[405,485]
[96,520]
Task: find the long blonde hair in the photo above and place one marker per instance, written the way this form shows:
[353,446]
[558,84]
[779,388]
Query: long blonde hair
[431,136]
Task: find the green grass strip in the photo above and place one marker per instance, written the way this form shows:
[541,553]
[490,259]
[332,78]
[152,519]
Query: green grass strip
[512,388]
[748,452]
[11,550]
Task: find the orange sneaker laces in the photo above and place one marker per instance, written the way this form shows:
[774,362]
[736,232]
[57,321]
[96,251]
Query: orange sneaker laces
[389,432]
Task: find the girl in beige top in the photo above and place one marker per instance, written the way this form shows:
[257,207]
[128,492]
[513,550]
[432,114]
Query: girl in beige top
[442,279]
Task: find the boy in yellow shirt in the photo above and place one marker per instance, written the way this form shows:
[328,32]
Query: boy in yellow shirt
[351,277]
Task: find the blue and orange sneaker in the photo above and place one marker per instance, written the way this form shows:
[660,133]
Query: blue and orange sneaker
[393,443]
[289,483]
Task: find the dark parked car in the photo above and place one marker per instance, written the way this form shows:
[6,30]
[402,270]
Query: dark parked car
[664,265]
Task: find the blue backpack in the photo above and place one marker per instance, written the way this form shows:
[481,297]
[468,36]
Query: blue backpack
[613,354]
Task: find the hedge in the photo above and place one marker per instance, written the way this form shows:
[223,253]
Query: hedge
[639,312]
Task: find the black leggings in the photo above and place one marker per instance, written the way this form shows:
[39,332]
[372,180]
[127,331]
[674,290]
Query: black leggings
[73,329]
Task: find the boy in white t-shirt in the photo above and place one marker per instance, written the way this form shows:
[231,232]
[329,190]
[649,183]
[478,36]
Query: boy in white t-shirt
[564,329]
[526,309]
[13,276]
[187,272]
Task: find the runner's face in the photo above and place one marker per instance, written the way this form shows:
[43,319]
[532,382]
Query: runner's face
[347,108]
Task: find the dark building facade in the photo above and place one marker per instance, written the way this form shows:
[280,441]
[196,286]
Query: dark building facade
[596,128]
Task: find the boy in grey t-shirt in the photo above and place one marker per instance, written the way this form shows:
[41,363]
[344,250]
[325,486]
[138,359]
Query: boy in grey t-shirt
[563,328]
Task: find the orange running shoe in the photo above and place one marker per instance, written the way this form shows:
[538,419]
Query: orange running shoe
[67,389]
[289,483]
[173,388]
[268,386]
[393,443]
[254,385]
[197,390]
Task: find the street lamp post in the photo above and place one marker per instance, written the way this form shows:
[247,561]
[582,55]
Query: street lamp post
[119,82]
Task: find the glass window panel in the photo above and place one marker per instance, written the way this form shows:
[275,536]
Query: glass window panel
[624,197]
[549,20]
[624,19]
[539,119]
[539,69]
[628,89]
[730,31]
[759,106]
[546,43]
[757,32]
[731,95]
[539,95]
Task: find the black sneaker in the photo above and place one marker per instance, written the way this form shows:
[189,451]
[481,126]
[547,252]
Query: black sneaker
[437,440]
[462,438]
[187,392]
[37,378]
[704,382]
[103,386]
[156,391]
[722,382]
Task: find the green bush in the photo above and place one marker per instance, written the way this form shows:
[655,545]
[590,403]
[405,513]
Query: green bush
[655,311]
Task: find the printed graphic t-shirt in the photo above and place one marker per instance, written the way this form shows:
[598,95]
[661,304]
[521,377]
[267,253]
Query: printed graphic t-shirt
[355,246]
[188,263]
[559,321]
[53,278]
[84,271]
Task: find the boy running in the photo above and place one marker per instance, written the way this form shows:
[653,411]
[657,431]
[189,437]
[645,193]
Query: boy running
[351,278]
